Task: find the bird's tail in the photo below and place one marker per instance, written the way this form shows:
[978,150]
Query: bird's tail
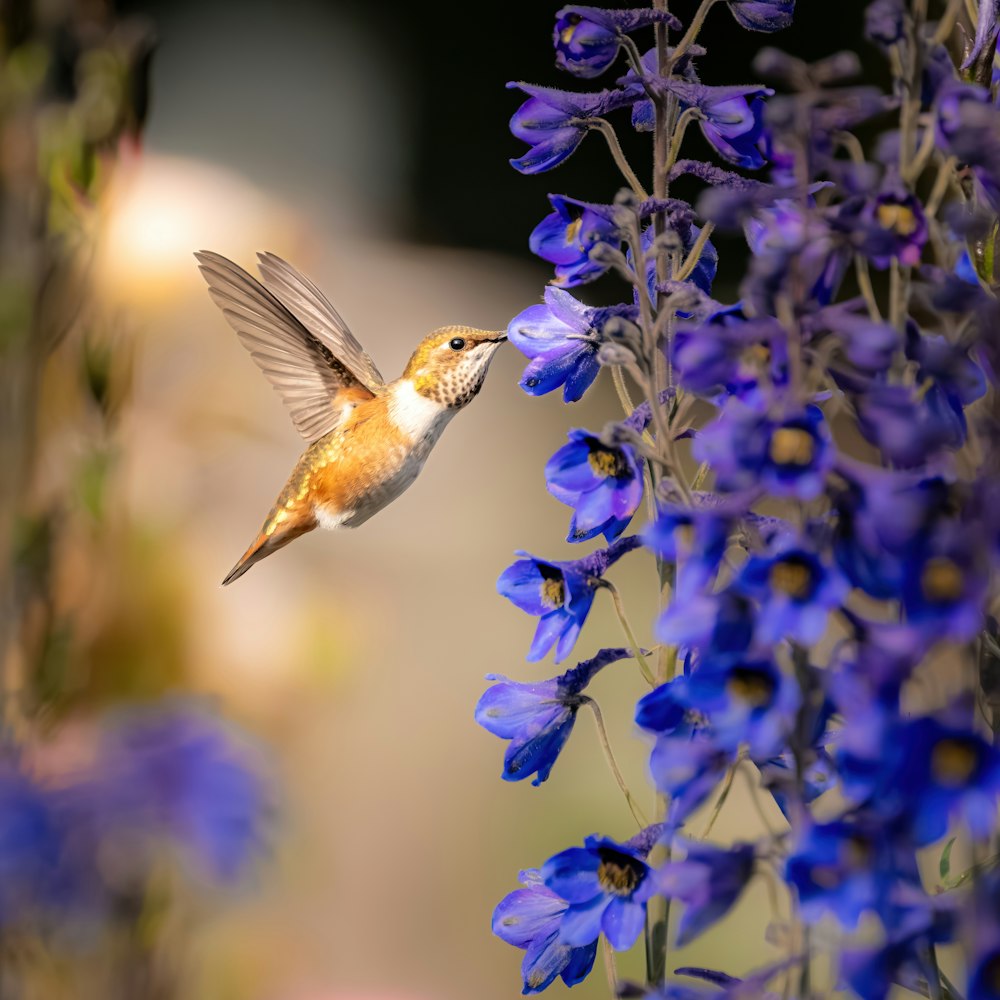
[272,537]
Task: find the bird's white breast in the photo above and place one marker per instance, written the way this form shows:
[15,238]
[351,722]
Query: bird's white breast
[418,417]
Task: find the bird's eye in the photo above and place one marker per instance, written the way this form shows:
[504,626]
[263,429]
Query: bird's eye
[456,343]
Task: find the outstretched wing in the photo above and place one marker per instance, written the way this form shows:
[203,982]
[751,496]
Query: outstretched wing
[318,388]
[314,310]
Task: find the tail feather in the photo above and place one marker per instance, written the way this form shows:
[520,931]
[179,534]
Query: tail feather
[264,544]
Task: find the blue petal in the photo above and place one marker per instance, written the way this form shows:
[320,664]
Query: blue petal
[538,754]
[572,874]
[581,924]
[550,628]
[508,709]
[622,923]
[521,583]
[526,915]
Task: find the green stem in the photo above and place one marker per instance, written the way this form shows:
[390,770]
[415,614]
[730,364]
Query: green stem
[720,801]
[692,33]
[865,284]
[691,262]
[627,629]
[688,116]
[602,736]
[600,125]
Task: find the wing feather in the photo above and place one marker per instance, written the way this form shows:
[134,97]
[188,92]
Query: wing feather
[314,310]
[316,386]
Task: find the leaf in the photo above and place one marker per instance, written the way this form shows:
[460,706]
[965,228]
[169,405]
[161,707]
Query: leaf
[944,867]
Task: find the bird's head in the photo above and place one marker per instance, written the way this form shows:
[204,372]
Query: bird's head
[449,365]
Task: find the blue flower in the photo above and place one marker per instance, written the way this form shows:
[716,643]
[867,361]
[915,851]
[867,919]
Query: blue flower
[845,868]
[529,918]
[602,483]
[796,591]
[587,39]
[731,118]
[763,15]
[606,885]
[688,768]
[561,338]
[919,774]
[789,457]
[31,846]
[178,772]
[868,345]
[560,593]
[717,624]
[695,538]
[538,718]
[708,881]
[568,236]
[554,122]
[746,701]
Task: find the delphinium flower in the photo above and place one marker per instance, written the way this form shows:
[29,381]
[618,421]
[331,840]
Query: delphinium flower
[538,718]
[560,593]
[841,527]
[602,483]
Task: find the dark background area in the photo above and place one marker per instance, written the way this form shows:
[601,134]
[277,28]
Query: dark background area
[454,59]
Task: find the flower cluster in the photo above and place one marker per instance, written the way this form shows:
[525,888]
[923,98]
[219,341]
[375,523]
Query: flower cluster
[836,549]
[81,841]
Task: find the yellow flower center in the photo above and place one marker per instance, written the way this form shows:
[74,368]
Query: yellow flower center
[553,592]
[604,463]
[953,762]
[753,687]
[566,35]
[897,219]
[792,576]
[757,354]
[573,231]
[792,446]
[941,580]
[618,873]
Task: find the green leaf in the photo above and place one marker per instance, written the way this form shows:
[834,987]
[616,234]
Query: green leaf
[945,865]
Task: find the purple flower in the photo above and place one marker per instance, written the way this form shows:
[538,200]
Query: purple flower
[179,772]
[746,449]
[560,593]
[587,39]
[729,354]
[869,345]
[568,236]
[895,228]
[731,118]
[554,122]
[606,885]
[602,483]
[708,881]
[763,15]
[796,591]
[688,769]
[538,718]
[716,624]
[985,44]
[529,918]
[561,338]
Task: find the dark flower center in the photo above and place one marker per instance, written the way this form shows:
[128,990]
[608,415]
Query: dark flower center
[792,446]
[953,762]
[941,580]
[618,873]
[854,855]
[793,576]
[897,219]
[753,687]
[553,592]
[606,463]
[989,973]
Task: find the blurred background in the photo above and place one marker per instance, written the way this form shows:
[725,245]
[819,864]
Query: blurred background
[368,145]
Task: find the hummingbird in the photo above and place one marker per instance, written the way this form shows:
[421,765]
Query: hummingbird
[367,438]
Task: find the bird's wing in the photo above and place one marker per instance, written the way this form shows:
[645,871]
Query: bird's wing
[314,310]
[318,388]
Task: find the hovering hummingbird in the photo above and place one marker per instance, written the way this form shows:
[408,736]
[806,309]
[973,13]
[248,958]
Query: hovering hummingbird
[368,438]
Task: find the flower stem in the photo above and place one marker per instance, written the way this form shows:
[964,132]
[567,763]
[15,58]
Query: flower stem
[600,125]
[721,800]
[610,966]
[627,629]
[692,33]
[691,262]
[688,116]
[622,389]
[602,736]
[865,284]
